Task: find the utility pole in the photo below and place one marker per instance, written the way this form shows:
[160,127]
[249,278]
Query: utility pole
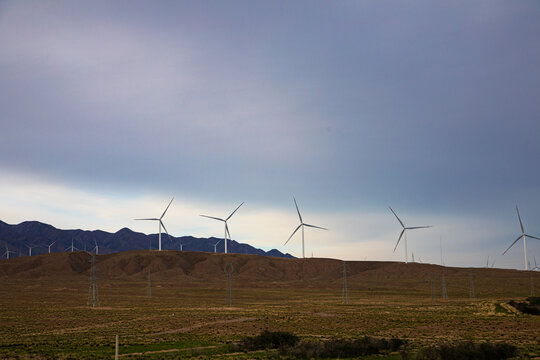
[432,287]
[472,294]
[345,287]
[93,299]
[229,269]
[444,295]
[149,287]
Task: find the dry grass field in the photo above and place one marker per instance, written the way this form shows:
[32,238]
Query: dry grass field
[44,311]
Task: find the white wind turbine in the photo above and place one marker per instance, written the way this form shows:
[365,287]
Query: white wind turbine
[30,247]
[215,246]
[226,227]
[6,254]
[96,248]
[404,232]
[51,244]
[302,225]
[161,223]
[72,247]
[522,236]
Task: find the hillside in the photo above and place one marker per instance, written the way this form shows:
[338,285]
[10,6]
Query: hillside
[202,269]
[40,235]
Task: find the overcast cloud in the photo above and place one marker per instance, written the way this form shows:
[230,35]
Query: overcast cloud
[350,106]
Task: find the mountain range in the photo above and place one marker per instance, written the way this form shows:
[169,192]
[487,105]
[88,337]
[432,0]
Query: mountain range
[17,238]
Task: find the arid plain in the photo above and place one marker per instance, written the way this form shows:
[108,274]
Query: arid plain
[44,310]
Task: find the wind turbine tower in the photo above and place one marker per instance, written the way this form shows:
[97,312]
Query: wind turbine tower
[215,246]
[225,222]
[51,244]
[522,236]
[302,225]
[30,247]
[404,233]
[160,222]
[72,247]
[96,248]
[6,254]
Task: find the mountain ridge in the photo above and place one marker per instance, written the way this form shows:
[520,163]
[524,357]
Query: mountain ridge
[38,235]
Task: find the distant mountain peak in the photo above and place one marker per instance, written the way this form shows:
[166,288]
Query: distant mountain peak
[125,239]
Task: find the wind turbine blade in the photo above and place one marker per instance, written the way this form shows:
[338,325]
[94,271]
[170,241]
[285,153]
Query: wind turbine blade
[162,224]
[398,219]
[211,217]
[155,219]
[520,223]
[400,235]
[534,237]
[298,211]
[217,243]
[418,227]
[316,227]
[515,241]
[167,208]
[294,232]
[234,211]
[228,232]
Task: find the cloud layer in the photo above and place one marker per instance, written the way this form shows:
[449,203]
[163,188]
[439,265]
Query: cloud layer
[431,108]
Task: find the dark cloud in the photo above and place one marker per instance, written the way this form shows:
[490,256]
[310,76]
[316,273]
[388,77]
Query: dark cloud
[430,105]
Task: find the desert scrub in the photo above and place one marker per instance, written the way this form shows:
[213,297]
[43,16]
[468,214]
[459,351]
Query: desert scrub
[531,307]
[467,350]
[267,340]
[343,348]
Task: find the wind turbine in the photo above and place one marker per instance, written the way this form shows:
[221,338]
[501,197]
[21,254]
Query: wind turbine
[71,247]
[30,247]
[215,246]
[404,232]
[51,244]
[96,247]
[302,225]
[6,254]
[522,236]
[161,223]
[225,221]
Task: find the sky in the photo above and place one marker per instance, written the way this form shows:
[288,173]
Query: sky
[110,109]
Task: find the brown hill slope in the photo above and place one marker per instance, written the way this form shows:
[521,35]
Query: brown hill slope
[204,269]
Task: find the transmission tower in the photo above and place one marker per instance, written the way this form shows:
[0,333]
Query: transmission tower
[432,287]
[472,294]
[93,299]
[149,287]
[444,295]
[229,269]
[345,287]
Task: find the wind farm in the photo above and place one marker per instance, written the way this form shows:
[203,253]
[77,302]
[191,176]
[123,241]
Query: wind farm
[205,118]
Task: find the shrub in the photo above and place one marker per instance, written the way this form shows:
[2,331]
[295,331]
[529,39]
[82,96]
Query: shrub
[339,348]
[467,350]
[534,300]
[268,340]
[525,308]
